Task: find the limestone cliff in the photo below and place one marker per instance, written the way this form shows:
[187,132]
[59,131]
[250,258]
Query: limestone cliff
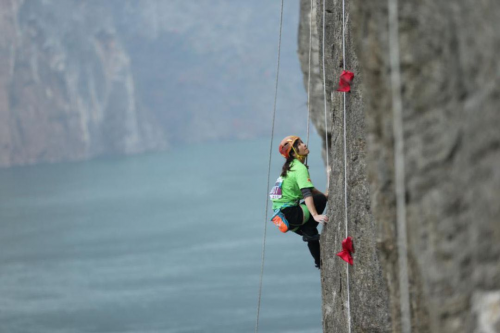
[66,87]
[86,78]
[451,115]
[368,289]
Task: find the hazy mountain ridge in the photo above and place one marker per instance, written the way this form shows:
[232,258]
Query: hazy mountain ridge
[82,79]
[69,92]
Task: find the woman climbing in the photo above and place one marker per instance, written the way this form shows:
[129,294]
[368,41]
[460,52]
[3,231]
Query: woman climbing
[293,185]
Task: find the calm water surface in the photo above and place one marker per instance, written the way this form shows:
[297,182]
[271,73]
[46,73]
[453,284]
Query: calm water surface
[168,242]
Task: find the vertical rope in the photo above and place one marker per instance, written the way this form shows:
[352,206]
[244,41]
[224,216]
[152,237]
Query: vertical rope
[345,169]
[269,170]
[324,88]
[399,165]
[309,74]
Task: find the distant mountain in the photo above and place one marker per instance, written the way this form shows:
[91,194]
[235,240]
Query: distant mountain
[86,78]
[207,68]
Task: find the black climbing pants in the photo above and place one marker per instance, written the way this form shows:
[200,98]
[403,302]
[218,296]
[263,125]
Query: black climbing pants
[309,229]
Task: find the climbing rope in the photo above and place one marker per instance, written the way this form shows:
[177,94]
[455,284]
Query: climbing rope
[324,89]
[399,165]
[309,74]
[269,170]
[345,169]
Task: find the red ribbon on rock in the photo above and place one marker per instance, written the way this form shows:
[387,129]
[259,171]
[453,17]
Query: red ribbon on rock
[345,81]
[347,250]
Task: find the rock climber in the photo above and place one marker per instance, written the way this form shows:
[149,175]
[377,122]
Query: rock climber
[297,204]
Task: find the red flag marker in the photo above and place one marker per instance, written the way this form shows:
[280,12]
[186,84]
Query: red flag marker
[347,250]
[345,81]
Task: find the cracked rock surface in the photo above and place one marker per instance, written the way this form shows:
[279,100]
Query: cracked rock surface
[451,114]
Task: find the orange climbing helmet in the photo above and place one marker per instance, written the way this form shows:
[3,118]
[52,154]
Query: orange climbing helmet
[287,144]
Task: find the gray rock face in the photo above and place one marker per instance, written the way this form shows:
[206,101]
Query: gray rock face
[311,65]
[367,304]
[451,104]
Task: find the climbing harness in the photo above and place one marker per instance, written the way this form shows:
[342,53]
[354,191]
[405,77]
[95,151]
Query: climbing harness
[279,219]
[269,169]
[399,165]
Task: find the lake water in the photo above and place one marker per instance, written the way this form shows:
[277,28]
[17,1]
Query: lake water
[165,242]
